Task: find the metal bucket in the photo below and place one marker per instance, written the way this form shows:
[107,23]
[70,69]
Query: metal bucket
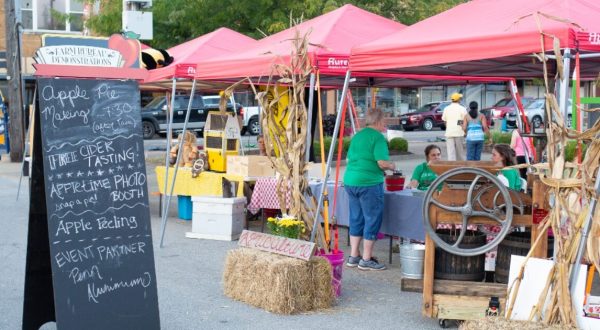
[411,260]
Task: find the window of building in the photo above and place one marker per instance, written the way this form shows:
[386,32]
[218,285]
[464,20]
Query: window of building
[361,100]
[27,14]
[431,94]
[409,99]
[52,15]
[385,99]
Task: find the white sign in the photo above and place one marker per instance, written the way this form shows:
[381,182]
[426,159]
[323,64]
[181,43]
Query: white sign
[79,55]
[290,247]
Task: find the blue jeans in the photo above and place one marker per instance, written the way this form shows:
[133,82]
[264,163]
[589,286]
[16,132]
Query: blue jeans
[366,210]
[474,149]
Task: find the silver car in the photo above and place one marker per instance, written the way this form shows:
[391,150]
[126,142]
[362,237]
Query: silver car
[535,112]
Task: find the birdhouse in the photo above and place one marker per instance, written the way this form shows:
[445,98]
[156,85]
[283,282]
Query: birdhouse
[221,134]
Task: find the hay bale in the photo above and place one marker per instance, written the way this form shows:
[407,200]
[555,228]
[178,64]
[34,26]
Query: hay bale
[493,323]
[277,283]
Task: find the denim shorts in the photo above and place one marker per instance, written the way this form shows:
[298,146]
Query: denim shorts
[366,210]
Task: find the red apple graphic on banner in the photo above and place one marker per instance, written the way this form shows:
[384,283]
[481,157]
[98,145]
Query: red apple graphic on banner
[129,49]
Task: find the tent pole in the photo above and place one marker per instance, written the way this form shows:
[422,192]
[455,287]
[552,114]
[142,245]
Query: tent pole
[180,146]
[311,96]
[28,141]
[564,85]
[351,112]
[330,154]
[520,124]
[169,136]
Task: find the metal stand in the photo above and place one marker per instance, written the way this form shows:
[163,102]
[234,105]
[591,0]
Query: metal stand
[311,96]
[330,154]
[165,215]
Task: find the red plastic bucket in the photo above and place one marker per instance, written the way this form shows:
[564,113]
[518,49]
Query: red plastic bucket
[394,182]
[337,265]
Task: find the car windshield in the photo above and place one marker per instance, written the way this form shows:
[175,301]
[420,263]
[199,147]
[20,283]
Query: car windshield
[536,104]
[213,101]
[503,103]
[427,107]
[526,101]
[155,103]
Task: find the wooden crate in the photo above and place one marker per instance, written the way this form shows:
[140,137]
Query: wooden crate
[249,166]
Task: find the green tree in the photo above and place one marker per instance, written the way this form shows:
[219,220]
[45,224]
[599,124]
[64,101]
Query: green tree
[108,20]
[176,21]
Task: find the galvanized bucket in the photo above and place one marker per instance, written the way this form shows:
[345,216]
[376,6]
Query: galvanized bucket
[411,260]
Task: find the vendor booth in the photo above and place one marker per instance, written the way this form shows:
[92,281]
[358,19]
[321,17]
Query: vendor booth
[515,40]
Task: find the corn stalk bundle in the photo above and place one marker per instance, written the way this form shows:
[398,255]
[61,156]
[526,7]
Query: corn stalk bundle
[570,192]
[285,129]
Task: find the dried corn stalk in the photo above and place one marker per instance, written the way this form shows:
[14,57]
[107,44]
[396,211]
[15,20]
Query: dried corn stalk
[285,140]
[571,188]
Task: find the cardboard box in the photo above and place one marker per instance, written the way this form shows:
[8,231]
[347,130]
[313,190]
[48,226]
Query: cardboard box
[217,218]
[249,166]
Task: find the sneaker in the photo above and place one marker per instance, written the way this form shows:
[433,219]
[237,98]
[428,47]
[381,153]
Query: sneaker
[353,261]
[371,264]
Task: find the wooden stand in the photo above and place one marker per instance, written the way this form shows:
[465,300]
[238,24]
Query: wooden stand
[464,300]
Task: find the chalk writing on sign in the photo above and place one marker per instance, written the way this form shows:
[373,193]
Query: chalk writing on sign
[97,204]
[276,244]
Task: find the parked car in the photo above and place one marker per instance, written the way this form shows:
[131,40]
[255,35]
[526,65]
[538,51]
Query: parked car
[503,107]
[251,122]
[426,117]
[535,112]
[250,115]
[154,114]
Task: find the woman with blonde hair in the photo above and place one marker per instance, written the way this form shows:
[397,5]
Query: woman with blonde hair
[368,158]
[189,150]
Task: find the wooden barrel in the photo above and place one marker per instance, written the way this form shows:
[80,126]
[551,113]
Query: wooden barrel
[517,243]
[394,182]
[452,267]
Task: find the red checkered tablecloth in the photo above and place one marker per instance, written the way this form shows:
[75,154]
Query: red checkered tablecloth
[264,195]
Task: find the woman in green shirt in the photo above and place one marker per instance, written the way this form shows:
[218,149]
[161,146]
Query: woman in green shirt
[368,158]
[503,153]
[423,176]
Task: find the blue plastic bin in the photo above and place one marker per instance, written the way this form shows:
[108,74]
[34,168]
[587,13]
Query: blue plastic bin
[184,204]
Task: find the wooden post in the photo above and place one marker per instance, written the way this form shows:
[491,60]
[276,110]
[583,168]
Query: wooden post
[428,267]
[16,130]
[538,202]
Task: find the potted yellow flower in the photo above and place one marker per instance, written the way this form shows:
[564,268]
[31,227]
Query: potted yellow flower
[286,226]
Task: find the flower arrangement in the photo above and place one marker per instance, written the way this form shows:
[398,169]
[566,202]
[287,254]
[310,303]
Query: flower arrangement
[286,226]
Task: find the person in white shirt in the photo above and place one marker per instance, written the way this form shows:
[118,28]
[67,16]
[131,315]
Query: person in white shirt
[455,135]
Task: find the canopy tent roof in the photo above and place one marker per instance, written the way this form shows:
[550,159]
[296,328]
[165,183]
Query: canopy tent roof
[486,37]
[222,41]
[332,35]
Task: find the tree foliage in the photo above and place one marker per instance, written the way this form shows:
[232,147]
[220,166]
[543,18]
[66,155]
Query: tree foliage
[176,21]
[108,20]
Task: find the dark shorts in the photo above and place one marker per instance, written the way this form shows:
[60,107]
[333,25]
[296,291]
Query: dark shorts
[366,210]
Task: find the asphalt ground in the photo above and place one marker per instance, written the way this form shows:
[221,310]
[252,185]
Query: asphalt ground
[189,273]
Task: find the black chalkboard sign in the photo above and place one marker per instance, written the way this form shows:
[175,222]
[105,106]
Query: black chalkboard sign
[97,204]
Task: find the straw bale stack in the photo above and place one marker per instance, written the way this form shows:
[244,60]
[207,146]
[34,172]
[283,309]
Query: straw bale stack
[493,323]
[276,283]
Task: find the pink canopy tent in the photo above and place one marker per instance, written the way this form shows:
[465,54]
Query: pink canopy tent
[486,37]
[332,35]
[222,41]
